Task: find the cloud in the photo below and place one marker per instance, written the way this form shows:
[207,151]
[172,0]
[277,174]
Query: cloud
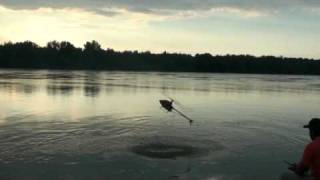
[163,6]
[107,12]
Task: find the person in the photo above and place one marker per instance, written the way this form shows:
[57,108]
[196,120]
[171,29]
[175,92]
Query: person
[311,156]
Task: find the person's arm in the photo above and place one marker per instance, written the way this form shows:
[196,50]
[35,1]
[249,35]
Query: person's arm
[303,167]
[299,169]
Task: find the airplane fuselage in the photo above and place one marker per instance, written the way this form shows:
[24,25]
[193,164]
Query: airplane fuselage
[166,104]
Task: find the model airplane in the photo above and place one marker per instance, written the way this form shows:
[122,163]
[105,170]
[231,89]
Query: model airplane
[168,105]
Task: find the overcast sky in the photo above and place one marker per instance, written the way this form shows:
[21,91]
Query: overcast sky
[257,27]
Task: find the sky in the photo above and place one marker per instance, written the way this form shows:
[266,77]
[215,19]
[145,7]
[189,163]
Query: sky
[288,28]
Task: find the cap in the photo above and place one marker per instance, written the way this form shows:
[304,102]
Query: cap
[314,122]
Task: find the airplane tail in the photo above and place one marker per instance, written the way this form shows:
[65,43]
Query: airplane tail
[183,115]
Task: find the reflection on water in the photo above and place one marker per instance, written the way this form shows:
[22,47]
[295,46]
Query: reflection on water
[17,87]
[84,124]
[59,89]
[91,90]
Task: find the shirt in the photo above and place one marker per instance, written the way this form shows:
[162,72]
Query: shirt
[311,158]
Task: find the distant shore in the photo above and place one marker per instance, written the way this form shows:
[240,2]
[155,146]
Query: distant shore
[65,56]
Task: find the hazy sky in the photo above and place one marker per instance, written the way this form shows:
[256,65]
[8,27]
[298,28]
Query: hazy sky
[258,27]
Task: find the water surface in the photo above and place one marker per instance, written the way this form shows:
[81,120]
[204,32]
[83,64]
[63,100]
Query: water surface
[84,124]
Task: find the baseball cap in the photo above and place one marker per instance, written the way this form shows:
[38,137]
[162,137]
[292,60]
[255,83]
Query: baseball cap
[314,122]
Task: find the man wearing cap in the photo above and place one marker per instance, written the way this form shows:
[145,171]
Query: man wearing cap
[311,156]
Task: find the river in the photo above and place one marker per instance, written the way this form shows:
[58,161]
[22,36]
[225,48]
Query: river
[89,124]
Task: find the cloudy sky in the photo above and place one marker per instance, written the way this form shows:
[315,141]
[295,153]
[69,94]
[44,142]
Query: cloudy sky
[258,27]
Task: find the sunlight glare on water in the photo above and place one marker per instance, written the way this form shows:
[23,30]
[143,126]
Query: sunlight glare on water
[84,124]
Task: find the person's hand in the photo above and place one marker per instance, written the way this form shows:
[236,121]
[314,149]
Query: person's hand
[293,167]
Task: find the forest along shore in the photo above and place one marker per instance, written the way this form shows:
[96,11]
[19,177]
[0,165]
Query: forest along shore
[64,55]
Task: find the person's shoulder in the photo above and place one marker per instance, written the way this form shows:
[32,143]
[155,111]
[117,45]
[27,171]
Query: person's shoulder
[316,141]
[315,144]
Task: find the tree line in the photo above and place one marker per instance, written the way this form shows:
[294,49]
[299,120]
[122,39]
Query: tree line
[64,55]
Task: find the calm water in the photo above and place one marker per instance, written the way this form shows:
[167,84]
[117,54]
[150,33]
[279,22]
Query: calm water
[84,124]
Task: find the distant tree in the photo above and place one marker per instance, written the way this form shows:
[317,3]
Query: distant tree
[66,45]
[92,46]
[26,44]
[205,56]
[110,50]
[146,52]
[53,45]
[9,43]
